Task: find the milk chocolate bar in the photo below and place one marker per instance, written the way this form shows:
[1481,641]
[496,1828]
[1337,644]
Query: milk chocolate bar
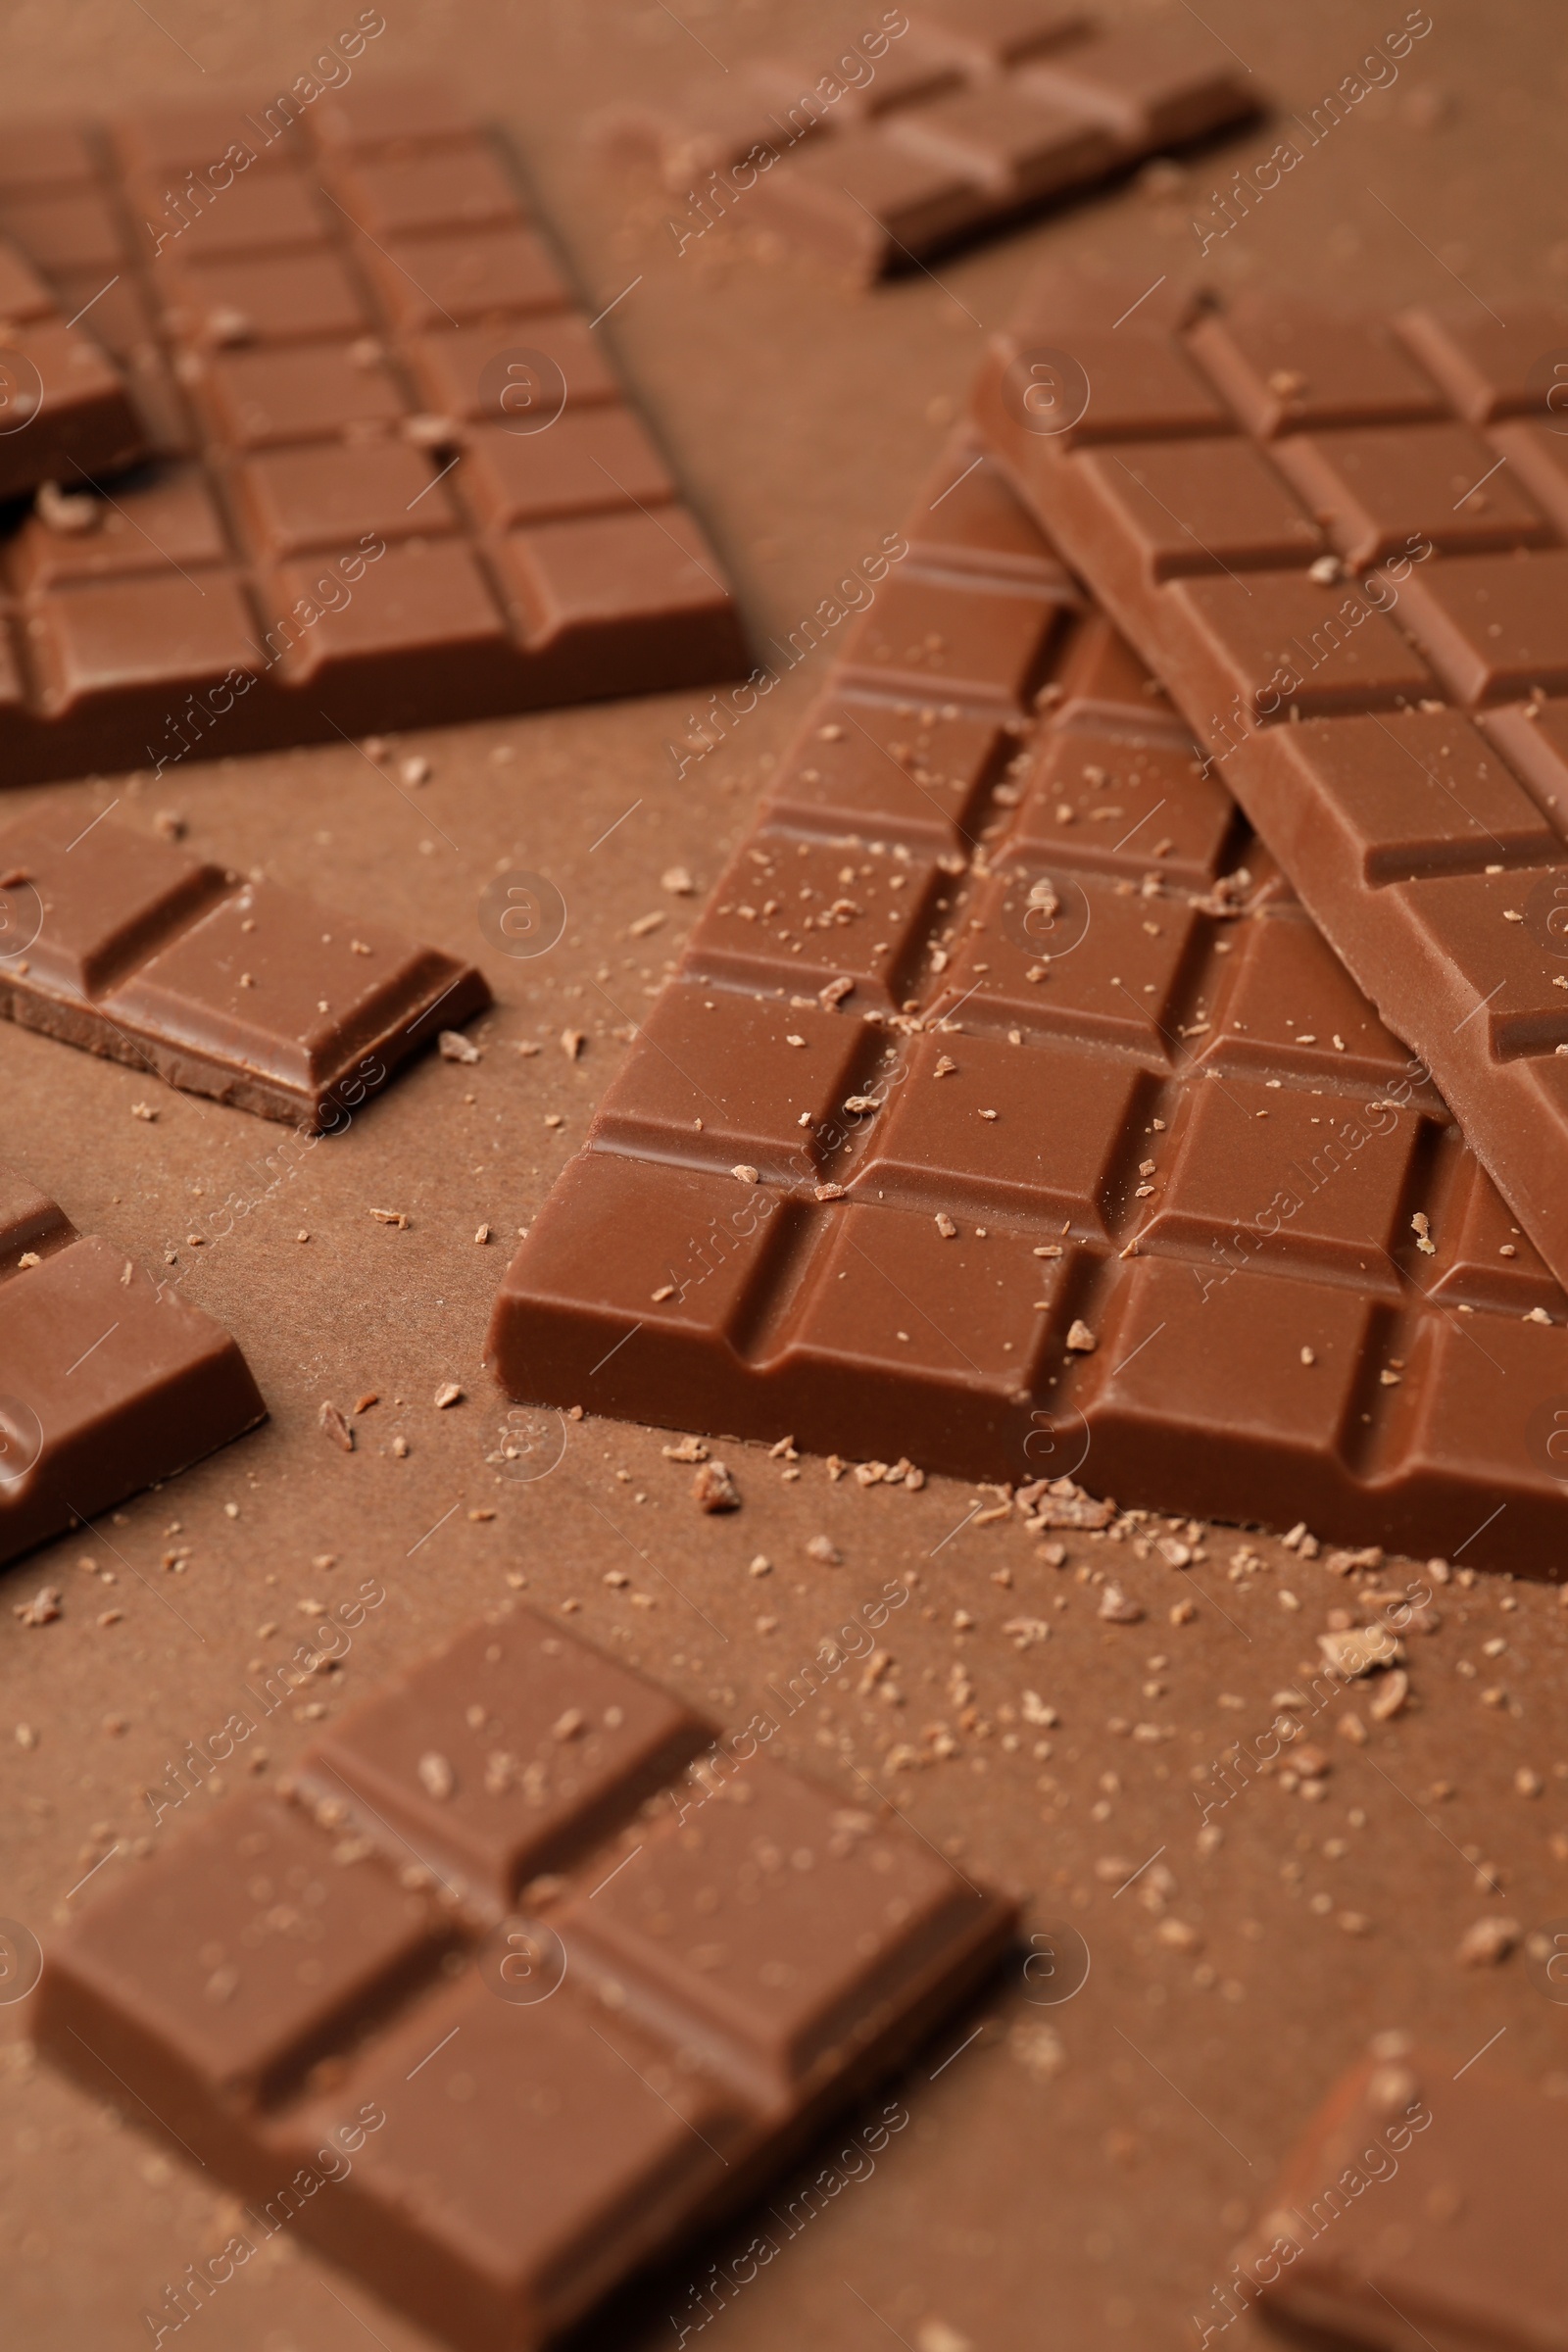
[1342,541]
[109,1382]
[398,484]
[1007,1113]
[241,990]
[65,408]
[1422,2206]
[931,126]
[526,1978]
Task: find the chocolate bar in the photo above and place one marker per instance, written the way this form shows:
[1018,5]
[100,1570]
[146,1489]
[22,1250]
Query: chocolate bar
[241,990]
[1341,541]
[932,127]
[528,1978]
[1007,1113]
[110,1382]
[1421,2206]
[398,484]
[65,410]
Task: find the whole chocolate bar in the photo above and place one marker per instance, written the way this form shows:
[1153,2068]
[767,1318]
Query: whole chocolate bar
[399,484]
[931,125]
[109,1382]
[1340,540]
[1421,2206]
[532,1977]
[65,410]
[244,991]
[1008,1114]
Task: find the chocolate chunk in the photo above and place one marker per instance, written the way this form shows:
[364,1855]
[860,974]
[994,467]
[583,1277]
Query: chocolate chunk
[247,992]
[1395,733]
[110,1382]
[964,117]
[1421,2204]
[521,2001]
[1026,1040]
[395,481]
[66,412]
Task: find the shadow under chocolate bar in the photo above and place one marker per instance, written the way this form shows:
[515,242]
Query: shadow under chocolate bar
[531,1978]
[247,992]
[931,126]
[65,408]
[1007,1113]
[1340,538]
[398,483]
[109,1382]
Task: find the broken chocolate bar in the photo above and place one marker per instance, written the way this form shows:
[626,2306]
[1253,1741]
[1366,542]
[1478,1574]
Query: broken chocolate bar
[1007,1113]
[109,1382]
[933,126]
[244,991]
[398,482]
[1338,539]
[532,1977]
[1421,2207]
[65,410]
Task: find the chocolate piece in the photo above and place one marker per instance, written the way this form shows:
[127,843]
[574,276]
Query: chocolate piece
[1421,2205]
[1395,734]
[1007,1114]
[244,991]
[65,410]
[960,119]
[111,1381]
[398,484]
[527,2000]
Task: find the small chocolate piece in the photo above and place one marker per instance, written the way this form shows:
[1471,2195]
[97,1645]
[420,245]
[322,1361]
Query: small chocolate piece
[1224,476]
[959,120]
[110,1382]
[1076,1153]
[65,410]
[1420,2206]
[396,481]
[243,991]
[529,2001]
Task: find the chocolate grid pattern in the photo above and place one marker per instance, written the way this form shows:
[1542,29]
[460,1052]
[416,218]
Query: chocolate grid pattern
[1121,1121]
[1398,734]
[307,336]
[119,1383]
[738,1954]
[968,119]
[63,405]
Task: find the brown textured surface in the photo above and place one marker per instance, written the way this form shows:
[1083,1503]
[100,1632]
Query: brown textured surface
[1093,2193]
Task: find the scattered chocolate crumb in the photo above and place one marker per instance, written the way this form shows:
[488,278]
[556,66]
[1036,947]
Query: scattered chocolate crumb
[1081,1339]
[1486,1943]
[821,1547]
[362,1404]
[685,1449]
[746,1174]
[449,1392]
[436,1776]
[714,1487]
[453,1045]
[677,881]
[336,1428]
[1117,1608]
[390,1216]
[42,1609]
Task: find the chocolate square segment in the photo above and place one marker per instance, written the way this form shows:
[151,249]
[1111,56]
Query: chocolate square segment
[779,1927]
[460,186]
[232,1957]
[271,982]
[1282,364]
[1200,505]
[540,1748]
[731,1080]
[107,898]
